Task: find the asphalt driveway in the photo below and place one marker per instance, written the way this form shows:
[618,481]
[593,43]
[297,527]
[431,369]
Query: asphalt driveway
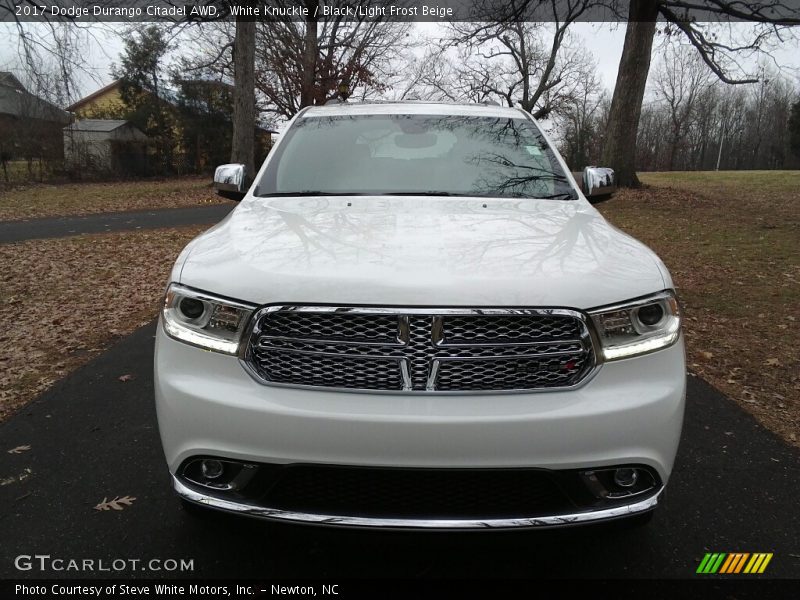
[735,489]
[52,227]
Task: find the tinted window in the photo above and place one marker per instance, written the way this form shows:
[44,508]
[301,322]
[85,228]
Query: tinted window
[415,154]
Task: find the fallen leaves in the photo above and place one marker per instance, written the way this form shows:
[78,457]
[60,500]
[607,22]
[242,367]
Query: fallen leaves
[738,281]
[16,478]
[68,295]
[19,449]
[116,504]
[36,201]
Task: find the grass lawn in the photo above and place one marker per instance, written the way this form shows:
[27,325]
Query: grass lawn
[45,200]
[732,243]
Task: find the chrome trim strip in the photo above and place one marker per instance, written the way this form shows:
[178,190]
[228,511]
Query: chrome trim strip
[407,383]
[398,343]
[437,330]
[445,344]
[662,295]
[431,382]
[403,330]
[589,340]
[345,354]
[422,310]
[208,297]
[509,356]
[252,510]
[495,357]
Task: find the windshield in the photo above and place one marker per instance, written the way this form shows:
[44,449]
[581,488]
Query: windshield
[415,154]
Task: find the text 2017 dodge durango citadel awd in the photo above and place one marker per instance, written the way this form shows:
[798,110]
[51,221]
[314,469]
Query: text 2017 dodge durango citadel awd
[415,318]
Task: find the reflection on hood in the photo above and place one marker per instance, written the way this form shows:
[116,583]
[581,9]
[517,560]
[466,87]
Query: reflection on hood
[421,251]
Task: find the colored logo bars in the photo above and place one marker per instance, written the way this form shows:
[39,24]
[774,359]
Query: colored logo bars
[734,562]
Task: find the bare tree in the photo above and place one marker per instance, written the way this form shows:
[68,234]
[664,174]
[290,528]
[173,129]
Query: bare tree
[516,61]
[309,54]
[244,102]
[302,63]
[52,48]
[582,122]
[700,22]
[680,80]
[308,63]
[794,129]
[730,127]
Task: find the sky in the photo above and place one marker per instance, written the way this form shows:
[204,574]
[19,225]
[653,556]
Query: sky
[603,40]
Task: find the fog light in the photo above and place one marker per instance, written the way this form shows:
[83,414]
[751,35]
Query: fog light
[211,469]
[626,478]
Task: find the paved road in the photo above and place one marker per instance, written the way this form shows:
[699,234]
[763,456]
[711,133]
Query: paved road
[53,227]
[735,488]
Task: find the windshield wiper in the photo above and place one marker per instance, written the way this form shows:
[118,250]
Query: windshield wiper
[428,193]
[558,196]
[561,196]
[311,193]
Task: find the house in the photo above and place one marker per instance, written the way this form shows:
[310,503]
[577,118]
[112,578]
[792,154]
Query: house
[200,114]
[30,127]
[105,146]
[104,103]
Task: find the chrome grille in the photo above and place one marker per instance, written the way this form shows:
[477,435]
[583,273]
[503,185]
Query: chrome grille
[508,330]
[419,350]
[332,371]
[350,326]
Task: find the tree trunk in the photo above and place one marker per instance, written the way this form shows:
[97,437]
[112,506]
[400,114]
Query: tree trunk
[310,52]
[619,151]
[673,151]
[244,98]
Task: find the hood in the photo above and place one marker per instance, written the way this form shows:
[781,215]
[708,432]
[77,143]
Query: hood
[414,251]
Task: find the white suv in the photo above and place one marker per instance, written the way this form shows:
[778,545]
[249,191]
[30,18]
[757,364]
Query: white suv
[415,318]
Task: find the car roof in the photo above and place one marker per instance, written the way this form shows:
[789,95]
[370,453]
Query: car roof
[414,108]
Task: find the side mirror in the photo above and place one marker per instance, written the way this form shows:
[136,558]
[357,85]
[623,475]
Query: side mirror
[230,181]
[598,183]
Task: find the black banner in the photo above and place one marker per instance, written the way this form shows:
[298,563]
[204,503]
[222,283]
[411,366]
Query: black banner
[407,589]
[181,11]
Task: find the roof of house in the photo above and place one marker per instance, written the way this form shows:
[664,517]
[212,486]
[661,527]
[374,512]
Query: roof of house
[86,100]
[16,100]
[9,80]
[164,95]
[100,125]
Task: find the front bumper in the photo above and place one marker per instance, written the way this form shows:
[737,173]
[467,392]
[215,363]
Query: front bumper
[631,412]
[559,520]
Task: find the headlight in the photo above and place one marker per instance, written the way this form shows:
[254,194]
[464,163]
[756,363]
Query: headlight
[203,320]
[638,327]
